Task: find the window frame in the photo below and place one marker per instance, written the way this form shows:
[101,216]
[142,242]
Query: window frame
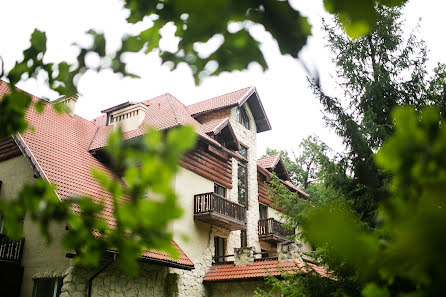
[243,151]
[242,117]
[219,246]
[263,212]
[56,290]
[243,238]
[218,186]
[245,183]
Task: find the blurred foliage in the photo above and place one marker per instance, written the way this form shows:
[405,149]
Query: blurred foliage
[312,284]
[140,197]
[404,255]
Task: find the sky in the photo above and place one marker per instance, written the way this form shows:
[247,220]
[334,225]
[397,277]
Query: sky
[294,112]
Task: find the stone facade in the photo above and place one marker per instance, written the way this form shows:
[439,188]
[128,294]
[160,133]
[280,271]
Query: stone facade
[289,251]
[236,289]
[247,138]
[152,280]
[243,256]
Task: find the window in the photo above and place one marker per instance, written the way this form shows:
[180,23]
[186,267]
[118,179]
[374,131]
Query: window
[242,185]
[47,287]
[242,117]
[243,151]
[263,212]
[220,190]
[220,246]
[243,239]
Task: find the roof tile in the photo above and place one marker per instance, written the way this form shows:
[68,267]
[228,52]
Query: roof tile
[226,100]
[260,269]
[60,143]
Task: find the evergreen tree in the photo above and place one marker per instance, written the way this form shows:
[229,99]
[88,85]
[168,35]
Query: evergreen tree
[377,72]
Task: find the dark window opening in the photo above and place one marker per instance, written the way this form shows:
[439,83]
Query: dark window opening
[243,239]
[220,190]
[242,185]
[242,117]
[265,254]
[220,246]
[263,212]
[47,287]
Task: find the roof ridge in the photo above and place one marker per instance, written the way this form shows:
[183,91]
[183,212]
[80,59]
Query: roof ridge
[174,110]
[247,88]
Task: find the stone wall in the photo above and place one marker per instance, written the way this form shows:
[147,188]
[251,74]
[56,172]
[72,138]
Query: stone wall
[235,289]
[152,280]
[248,139]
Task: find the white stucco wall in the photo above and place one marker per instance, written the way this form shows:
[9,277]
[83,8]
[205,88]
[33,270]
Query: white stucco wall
[39,259]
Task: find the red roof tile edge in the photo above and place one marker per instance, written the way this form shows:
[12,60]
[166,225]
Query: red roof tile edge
[260,269]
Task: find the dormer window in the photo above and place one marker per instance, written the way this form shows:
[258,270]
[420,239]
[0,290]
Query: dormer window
[242,117]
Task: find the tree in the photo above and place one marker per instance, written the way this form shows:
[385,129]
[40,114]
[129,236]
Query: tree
[310,167]
[405,253]
[377,73]
[380,236]
[237,50]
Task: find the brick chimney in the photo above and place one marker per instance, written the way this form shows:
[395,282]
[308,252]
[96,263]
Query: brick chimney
[243,256]
[69,101]
[289,251]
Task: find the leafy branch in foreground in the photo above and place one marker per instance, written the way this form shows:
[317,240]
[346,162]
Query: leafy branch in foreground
[140,196]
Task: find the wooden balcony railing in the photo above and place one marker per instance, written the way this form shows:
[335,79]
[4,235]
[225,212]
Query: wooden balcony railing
[217,210]
[11,250]
[272,230]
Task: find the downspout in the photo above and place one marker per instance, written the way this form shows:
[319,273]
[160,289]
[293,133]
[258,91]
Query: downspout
[90,280]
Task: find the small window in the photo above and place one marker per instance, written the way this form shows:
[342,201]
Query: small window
[220,246]
[47,287]
[242,117]
[243,239]
[220,190]
[243,151]
[242,185]
[263,212]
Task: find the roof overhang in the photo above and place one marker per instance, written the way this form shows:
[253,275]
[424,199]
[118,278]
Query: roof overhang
[257,109]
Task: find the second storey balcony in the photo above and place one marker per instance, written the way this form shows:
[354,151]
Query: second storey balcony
[10,251]
[272,231]
[219,211]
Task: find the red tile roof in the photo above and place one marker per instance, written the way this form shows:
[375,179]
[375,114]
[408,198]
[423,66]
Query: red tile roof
[163,112]
[59,146]
[269,162]
[215,126]
[226,100]
[259,270]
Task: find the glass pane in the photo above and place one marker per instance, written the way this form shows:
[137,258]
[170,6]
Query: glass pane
[242,185]
[243,151]
[243,239]
[219,249]
[263,212]
[220,190]
[46,287]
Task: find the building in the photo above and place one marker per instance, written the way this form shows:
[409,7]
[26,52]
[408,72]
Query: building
[229,252]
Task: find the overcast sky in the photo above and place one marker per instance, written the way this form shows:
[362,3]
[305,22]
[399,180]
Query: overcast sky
[292,109]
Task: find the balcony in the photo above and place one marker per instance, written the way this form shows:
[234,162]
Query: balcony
[10,250]
[219,211]
[272,231]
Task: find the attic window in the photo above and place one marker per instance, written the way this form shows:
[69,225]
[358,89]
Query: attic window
[242,117]
[117,118]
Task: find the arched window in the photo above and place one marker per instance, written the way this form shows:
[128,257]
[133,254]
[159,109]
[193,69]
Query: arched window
[242,117]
